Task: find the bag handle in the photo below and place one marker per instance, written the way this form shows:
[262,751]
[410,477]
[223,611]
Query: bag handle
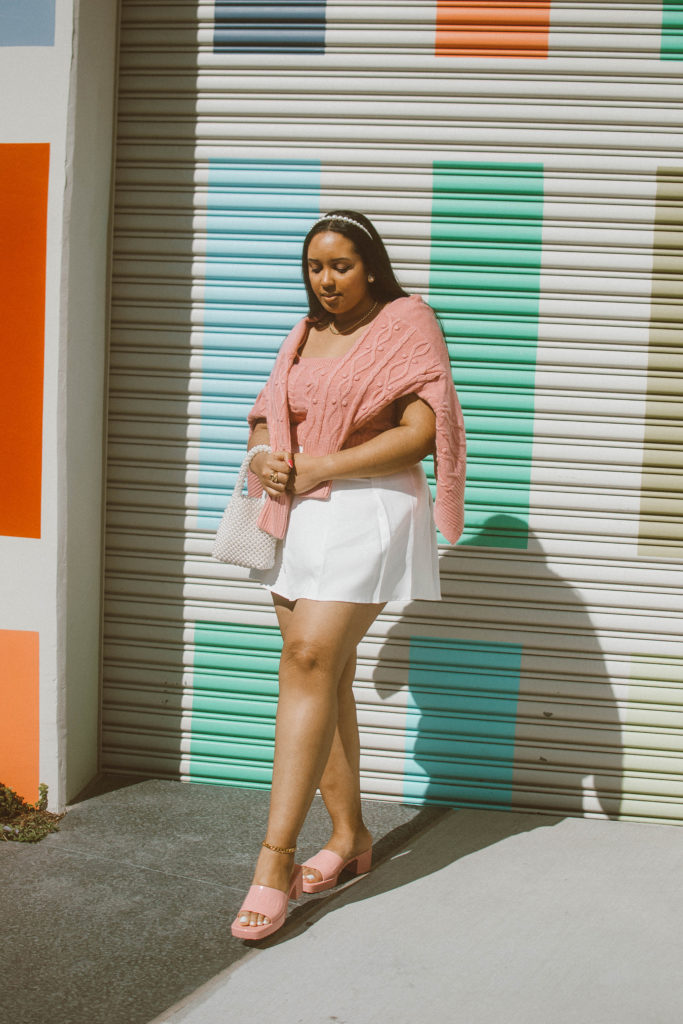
[246,462]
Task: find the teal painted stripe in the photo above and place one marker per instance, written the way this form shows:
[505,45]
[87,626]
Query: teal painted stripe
[460,722]
[485,268]
[234,700]
[27,22]
[672,31]
[258,213]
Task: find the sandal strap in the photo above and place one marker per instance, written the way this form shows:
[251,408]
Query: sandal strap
[327,862]
[262,899]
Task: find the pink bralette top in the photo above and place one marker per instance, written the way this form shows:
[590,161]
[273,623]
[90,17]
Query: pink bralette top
[305,379]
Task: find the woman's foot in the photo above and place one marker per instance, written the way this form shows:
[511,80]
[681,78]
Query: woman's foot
[346,846]
[269,904]
[274,870]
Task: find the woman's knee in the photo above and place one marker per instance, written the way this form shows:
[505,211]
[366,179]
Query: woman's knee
[307,656]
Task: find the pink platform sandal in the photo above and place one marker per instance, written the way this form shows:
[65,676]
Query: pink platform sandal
[330,865]
[272,903]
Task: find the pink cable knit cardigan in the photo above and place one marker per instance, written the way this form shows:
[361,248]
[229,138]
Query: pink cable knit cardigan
[402,353]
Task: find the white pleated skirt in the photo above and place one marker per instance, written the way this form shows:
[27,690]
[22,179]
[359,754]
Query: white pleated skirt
[372,541]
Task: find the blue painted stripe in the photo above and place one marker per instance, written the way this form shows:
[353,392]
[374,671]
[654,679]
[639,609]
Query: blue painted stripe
[271,28]
[27,22]
[258,214]
[460,722]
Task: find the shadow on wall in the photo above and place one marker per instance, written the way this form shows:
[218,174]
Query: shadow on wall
[508,703]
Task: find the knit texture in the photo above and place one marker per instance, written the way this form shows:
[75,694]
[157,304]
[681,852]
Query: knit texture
[402,353]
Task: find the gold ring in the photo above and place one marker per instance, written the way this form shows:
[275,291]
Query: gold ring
[274,478]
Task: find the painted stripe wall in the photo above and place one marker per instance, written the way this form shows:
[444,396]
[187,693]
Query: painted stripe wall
[24,170]
[24,173]
[57,70]
[27,22]
[276,27]
[528,204]
[487,222]
[672,30]
[517,29]
[23,225]
[257,217]
[661,510]
[19,711]
[460,723]
[485,29]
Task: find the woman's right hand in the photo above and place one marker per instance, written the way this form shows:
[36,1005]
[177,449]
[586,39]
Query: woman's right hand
[272,469]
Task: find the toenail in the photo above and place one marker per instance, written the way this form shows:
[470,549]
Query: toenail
[244,919]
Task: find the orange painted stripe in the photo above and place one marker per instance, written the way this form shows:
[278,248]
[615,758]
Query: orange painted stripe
[23,228]
[19,720]
[484,29]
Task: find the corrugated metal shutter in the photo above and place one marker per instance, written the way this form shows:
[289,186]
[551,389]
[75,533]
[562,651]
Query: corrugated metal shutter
[528,179]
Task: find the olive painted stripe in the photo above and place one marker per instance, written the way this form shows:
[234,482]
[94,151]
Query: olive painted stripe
[485,270]
[282,27]
[672,30]
[27,22]
[661,505]
[234,700]
[258,213]
[652,737]
[460,722]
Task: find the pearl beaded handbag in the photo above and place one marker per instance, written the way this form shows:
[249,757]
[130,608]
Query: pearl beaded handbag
[239,540]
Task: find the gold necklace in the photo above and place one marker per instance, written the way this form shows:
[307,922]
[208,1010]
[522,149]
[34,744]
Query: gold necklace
[347,330]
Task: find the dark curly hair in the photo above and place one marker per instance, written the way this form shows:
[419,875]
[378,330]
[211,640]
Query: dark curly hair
[369,246]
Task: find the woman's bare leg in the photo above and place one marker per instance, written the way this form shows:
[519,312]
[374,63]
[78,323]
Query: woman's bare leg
[320,637]
[340,782]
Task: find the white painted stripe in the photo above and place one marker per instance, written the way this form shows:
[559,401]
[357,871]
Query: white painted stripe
[609,29]
[569,385]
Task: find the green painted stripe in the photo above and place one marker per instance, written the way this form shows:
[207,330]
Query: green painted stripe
[660,532]
[485,267]
[672,30]
[234,701]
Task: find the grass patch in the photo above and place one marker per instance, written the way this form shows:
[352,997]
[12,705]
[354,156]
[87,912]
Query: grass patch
[21,822]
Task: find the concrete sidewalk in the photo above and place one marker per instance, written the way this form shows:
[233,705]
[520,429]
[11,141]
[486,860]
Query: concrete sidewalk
[127,909]
[486,918]
[470,917]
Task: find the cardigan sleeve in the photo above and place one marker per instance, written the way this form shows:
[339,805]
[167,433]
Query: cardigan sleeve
[450,454]
[255,414]
[258,410]
[449,457]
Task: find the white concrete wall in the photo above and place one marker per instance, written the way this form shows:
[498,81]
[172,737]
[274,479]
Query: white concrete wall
[63,94]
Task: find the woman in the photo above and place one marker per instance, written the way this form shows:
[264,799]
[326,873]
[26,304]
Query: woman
[360,393]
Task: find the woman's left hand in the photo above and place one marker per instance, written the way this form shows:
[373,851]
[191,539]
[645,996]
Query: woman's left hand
[308,470]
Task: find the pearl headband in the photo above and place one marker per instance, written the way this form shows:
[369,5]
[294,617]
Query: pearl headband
[349,220]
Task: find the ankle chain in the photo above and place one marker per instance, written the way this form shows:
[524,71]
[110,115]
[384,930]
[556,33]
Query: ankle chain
[279,849]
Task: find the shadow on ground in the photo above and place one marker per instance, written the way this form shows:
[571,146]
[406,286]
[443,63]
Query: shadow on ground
[127,909]
[401,865]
